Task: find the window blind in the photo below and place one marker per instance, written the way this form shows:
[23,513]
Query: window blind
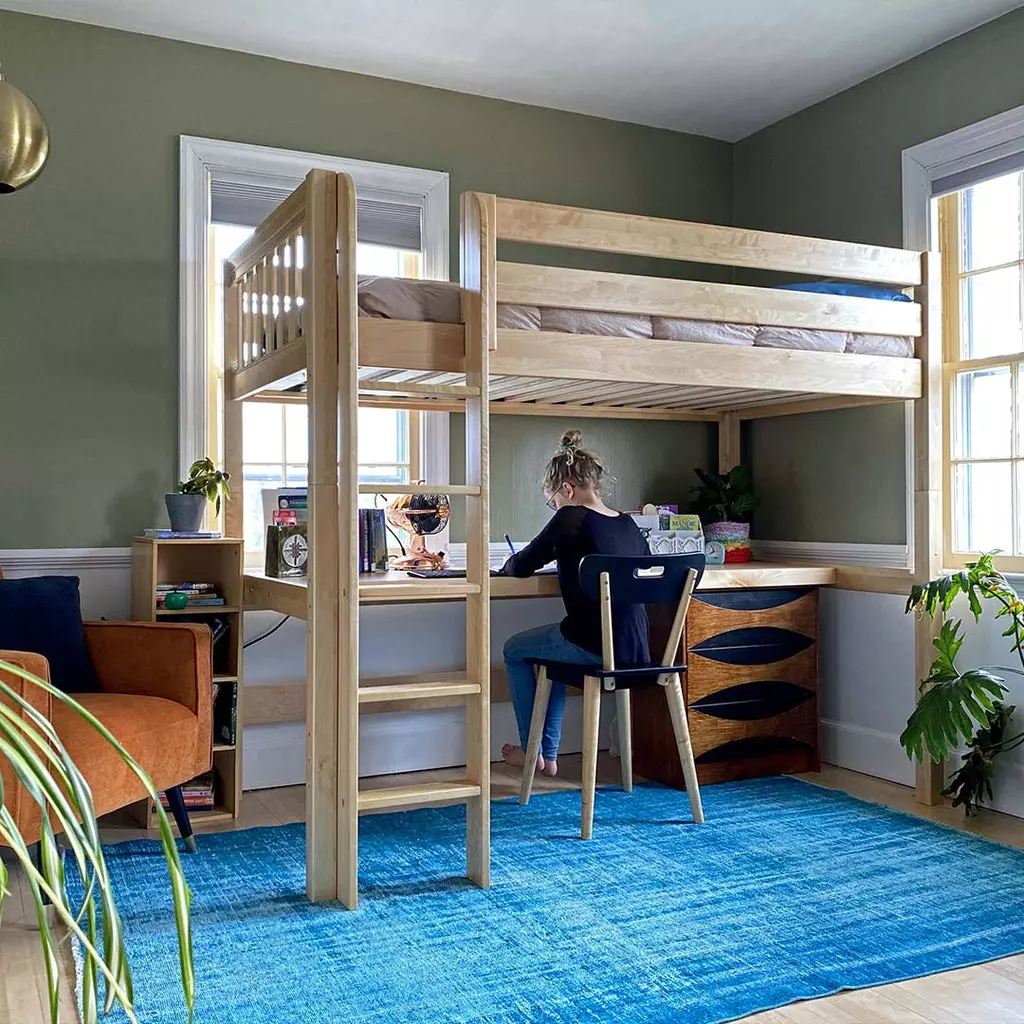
[1010,164]
[379,222]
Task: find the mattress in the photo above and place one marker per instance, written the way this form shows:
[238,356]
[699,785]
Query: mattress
[395,298]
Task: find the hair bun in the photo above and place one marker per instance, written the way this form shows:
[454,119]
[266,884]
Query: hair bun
[571,439]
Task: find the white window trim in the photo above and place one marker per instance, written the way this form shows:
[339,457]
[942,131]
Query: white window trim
[962,150]
[202,160]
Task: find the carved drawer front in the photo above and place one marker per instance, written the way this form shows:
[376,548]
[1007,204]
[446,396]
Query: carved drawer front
[707,678]
[752,679]
[771,612]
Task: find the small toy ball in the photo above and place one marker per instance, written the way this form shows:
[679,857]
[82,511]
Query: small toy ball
[175,602]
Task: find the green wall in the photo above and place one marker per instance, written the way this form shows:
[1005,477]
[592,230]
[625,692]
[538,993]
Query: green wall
[647,460]
[89,252]
[834,171]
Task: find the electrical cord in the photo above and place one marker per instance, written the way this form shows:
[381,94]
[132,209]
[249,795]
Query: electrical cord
[387,525]
[269,632]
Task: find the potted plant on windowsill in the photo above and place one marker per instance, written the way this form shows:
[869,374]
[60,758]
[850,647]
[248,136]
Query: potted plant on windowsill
[186,505]
[724,502]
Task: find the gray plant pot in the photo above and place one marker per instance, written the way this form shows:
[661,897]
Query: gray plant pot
[185,511]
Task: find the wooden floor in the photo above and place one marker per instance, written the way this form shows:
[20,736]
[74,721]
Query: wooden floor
[989,994]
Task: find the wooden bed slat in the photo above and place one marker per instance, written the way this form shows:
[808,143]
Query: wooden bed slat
[593,357]
[603,231]
[412,345]
[529,285]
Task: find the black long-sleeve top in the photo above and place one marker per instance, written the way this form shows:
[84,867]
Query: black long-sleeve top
[572,532]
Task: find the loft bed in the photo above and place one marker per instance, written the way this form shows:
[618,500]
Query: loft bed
[294,332]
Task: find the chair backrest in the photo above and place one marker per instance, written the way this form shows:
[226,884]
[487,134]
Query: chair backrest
[641,579]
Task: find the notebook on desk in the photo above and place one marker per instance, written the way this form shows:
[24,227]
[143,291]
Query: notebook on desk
[457,574]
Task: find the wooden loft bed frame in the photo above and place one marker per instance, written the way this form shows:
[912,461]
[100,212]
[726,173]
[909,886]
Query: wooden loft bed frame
[289,327]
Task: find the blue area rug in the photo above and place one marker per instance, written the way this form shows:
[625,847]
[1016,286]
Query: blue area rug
[788,892]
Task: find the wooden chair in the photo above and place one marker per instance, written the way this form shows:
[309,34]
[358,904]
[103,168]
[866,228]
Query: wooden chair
[620,580]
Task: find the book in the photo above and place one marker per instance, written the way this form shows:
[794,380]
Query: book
[225,712]
[154,533]
[170,587]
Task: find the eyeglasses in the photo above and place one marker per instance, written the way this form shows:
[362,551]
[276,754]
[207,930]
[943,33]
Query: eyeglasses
[551,504]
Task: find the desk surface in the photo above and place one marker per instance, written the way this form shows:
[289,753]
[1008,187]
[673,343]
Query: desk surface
[288,596]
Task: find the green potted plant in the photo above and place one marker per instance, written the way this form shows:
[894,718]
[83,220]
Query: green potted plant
[186,505]
[43,766]
[965,707]
[724,502]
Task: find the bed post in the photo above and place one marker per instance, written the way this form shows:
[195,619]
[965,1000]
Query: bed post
[926,488]
[232,436]
[322,654]
[348,532]
[479,310]
[728,441]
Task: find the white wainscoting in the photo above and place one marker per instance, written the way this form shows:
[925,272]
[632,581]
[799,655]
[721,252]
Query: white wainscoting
[866,649]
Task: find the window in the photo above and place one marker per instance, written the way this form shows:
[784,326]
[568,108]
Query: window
[275,434]
[225,189]
[982,241]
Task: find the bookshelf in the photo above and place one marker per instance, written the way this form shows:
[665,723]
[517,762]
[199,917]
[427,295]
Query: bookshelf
[220,563]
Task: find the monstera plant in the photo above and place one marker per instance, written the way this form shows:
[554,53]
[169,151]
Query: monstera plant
[965,707]
[42,765]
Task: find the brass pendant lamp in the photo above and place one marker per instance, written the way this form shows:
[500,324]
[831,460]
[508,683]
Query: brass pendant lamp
[24,139]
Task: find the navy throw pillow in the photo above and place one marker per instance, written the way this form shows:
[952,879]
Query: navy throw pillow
[43,614]
[854,289]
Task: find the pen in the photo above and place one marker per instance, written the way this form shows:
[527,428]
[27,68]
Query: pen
[508,541]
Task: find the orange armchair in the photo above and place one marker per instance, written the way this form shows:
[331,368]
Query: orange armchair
[156,691]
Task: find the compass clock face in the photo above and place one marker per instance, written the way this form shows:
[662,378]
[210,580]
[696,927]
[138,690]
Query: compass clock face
[294,551]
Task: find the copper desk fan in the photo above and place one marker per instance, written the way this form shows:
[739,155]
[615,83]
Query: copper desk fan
[420,515]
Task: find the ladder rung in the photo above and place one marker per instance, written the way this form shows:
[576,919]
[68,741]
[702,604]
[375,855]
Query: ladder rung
[417,796]
[468,489]
[392,387]
[371,694]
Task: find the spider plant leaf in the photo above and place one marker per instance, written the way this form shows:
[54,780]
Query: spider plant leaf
[12,837]
[86,842]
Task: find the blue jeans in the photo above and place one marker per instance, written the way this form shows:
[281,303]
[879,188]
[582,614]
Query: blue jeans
[548,643]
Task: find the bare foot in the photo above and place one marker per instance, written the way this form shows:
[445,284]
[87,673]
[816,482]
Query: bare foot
[550,767]
[516,757]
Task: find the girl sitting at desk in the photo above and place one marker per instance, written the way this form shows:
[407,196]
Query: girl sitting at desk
[582,525]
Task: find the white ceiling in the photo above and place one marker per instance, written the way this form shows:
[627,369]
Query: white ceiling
[722,68]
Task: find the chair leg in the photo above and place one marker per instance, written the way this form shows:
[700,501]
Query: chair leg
[540,710]
[36,850]
[677,710]
[624,714]
[177,802]
[591,721]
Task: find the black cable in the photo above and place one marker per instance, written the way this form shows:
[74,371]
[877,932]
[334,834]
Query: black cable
[387,526]
[269,632]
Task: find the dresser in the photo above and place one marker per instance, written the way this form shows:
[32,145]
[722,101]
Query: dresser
[751,689]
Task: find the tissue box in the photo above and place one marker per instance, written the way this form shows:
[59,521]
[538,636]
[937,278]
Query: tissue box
[676,542]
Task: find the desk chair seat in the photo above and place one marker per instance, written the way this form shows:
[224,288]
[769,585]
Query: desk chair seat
[617,580]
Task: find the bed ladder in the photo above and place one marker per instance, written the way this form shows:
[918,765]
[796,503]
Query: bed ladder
[471,688]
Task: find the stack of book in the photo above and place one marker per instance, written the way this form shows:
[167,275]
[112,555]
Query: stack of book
[159,533]
[198,794]
[199,595]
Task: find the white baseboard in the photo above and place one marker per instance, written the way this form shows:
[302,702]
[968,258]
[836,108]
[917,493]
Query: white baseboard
[389,744]
[868,751]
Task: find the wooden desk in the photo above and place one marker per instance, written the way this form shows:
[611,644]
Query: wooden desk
[751,645]
[288,596]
